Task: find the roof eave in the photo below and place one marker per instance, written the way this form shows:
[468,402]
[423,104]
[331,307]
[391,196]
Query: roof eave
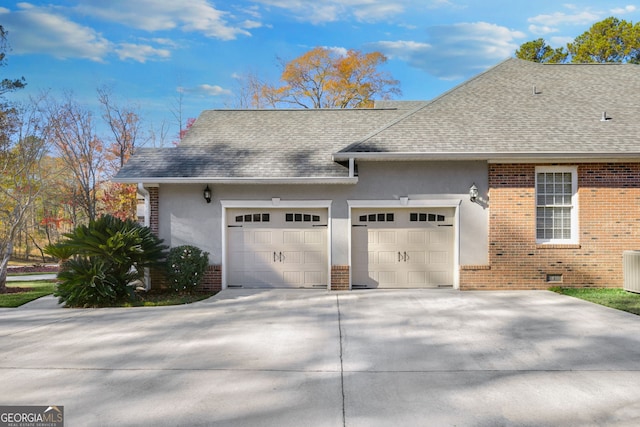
[492,157]
[249,180]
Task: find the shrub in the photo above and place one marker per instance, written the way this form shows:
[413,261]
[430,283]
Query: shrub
[186,266]
[108,255]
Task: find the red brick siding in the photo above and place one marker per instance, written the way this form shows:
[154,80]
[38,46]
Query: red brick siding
[609,217]
[212,279]
[339,277]
[154,218]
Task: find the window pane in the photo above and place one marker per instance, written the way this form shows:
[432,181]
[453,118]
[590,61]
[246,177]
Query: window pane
[390,217]
[266,218]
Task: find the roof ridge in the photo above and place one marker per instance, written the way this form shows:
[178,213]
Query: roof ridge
[426,104]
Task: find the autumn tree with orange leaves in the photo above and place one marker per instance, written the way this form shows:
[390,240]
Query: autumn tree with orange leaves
[323,78]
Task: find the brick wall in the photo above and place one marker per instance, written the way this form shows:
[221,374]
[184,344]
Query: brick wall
[212,279]
[154,219]
[609,220]
[339,277]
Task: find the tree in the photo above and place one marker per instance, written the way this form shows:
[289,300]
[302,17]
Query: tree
[125,126]
[18,161]
[322,78]
[72,133]
[6,84]
[539,51]
[610,40]
[21,177]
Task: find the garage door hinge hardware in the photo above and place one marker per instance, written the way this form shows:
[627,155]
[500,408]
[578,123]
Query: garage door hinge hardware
[403,256]
[277,256]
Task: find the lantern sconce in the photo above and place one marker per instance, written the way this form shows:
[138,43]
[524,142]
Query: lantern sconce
[473,193]
[207,194]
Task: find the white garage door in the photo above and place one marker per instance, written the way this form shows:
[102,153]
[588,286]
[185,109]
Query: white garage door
[277,248]
[402,248]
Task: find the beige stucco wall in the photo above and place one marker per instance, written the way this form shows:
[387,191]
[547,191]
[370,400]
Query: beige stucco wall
[185,217]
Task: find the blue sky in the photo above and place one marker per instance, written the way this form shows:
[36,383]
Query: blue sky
[154,53]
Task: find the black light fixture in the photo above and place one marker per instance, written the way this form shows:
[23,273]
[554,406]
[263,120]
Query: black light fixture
[207,194]
[473,193]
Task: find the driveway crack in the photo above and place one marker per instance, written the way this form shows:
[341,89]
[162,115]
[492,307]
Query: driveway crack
[344,417]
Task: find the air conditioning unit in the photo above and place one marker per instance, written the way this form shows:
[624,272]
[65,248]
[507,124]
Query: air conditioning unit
[631,271]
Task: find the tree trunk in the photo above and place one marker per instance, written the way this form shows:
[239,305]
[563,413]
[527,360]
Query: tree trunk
[4,264]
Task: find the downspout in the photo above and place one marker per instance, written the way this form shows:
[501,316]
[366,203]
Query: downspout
[147,213]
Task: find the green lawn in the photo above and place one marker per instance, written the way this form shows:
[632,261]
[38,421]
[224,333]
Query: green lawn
[41,288]
[37,288]
[610,297]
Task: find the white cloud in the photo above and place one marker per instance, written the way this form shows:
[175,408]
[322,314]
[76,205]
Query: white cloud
[140,53]
[455,51]
[542,30]
[43,30]
[205,90]
[560,18]
[622,10]
[321,11]
[161,15]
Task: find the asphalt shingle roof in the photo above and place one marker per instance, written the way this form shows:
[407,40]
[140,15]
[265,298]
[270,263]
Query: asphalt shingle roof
[516,107]
[260,144]
[526,107]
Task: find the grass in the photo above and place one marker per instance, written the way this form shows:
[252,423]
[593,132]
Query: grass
[611,297]
[35,290]
[158,298]
[40,288]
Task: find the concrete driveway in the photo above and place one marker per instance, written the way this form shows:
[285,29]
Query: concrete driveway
[312,358]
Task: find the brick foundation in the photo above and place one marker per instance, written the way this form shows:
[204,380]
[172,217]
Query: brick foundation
[609,219]
[339,277]
[212,279]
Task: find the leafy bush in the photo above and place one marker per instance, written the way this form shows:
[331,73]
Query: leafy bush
[186,266]
[108,255]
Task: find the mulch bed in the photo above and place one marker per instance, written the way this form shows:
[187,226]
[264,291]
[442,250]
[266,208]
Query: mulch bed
[36,268]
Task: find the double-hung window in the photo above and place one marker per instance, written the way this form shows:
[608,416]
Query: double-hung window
[556,204]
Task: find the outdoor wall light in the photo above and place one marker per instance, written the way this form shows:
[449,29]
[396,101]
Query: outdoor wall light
[473,193]
[207,194]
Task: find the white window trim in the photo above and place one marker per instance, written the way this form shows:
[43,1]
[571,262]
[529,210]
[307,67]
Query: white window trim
[574,203]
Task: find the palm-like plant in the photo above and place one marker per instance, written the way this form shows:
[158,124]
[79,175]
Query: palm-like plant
[108,255]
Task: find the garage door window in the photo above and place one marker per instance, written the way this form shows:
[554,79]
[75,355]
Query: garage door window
[377,217]
[256,217]
[299,217]
[426,217]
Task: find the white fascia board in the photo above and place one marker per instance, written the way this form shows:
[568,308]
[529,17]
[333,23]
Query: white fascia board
[493,157]
[439,203]
[259,181]
[275,203]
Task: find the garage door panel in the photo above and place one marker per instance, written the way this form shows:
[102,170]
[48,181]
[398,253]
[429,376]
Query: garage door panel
[386,257]
[387,237]
[277,247]
[292,237]
[438,257]
[409,247]
[417,277]
[313,237]
[416,237]
[416,257]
